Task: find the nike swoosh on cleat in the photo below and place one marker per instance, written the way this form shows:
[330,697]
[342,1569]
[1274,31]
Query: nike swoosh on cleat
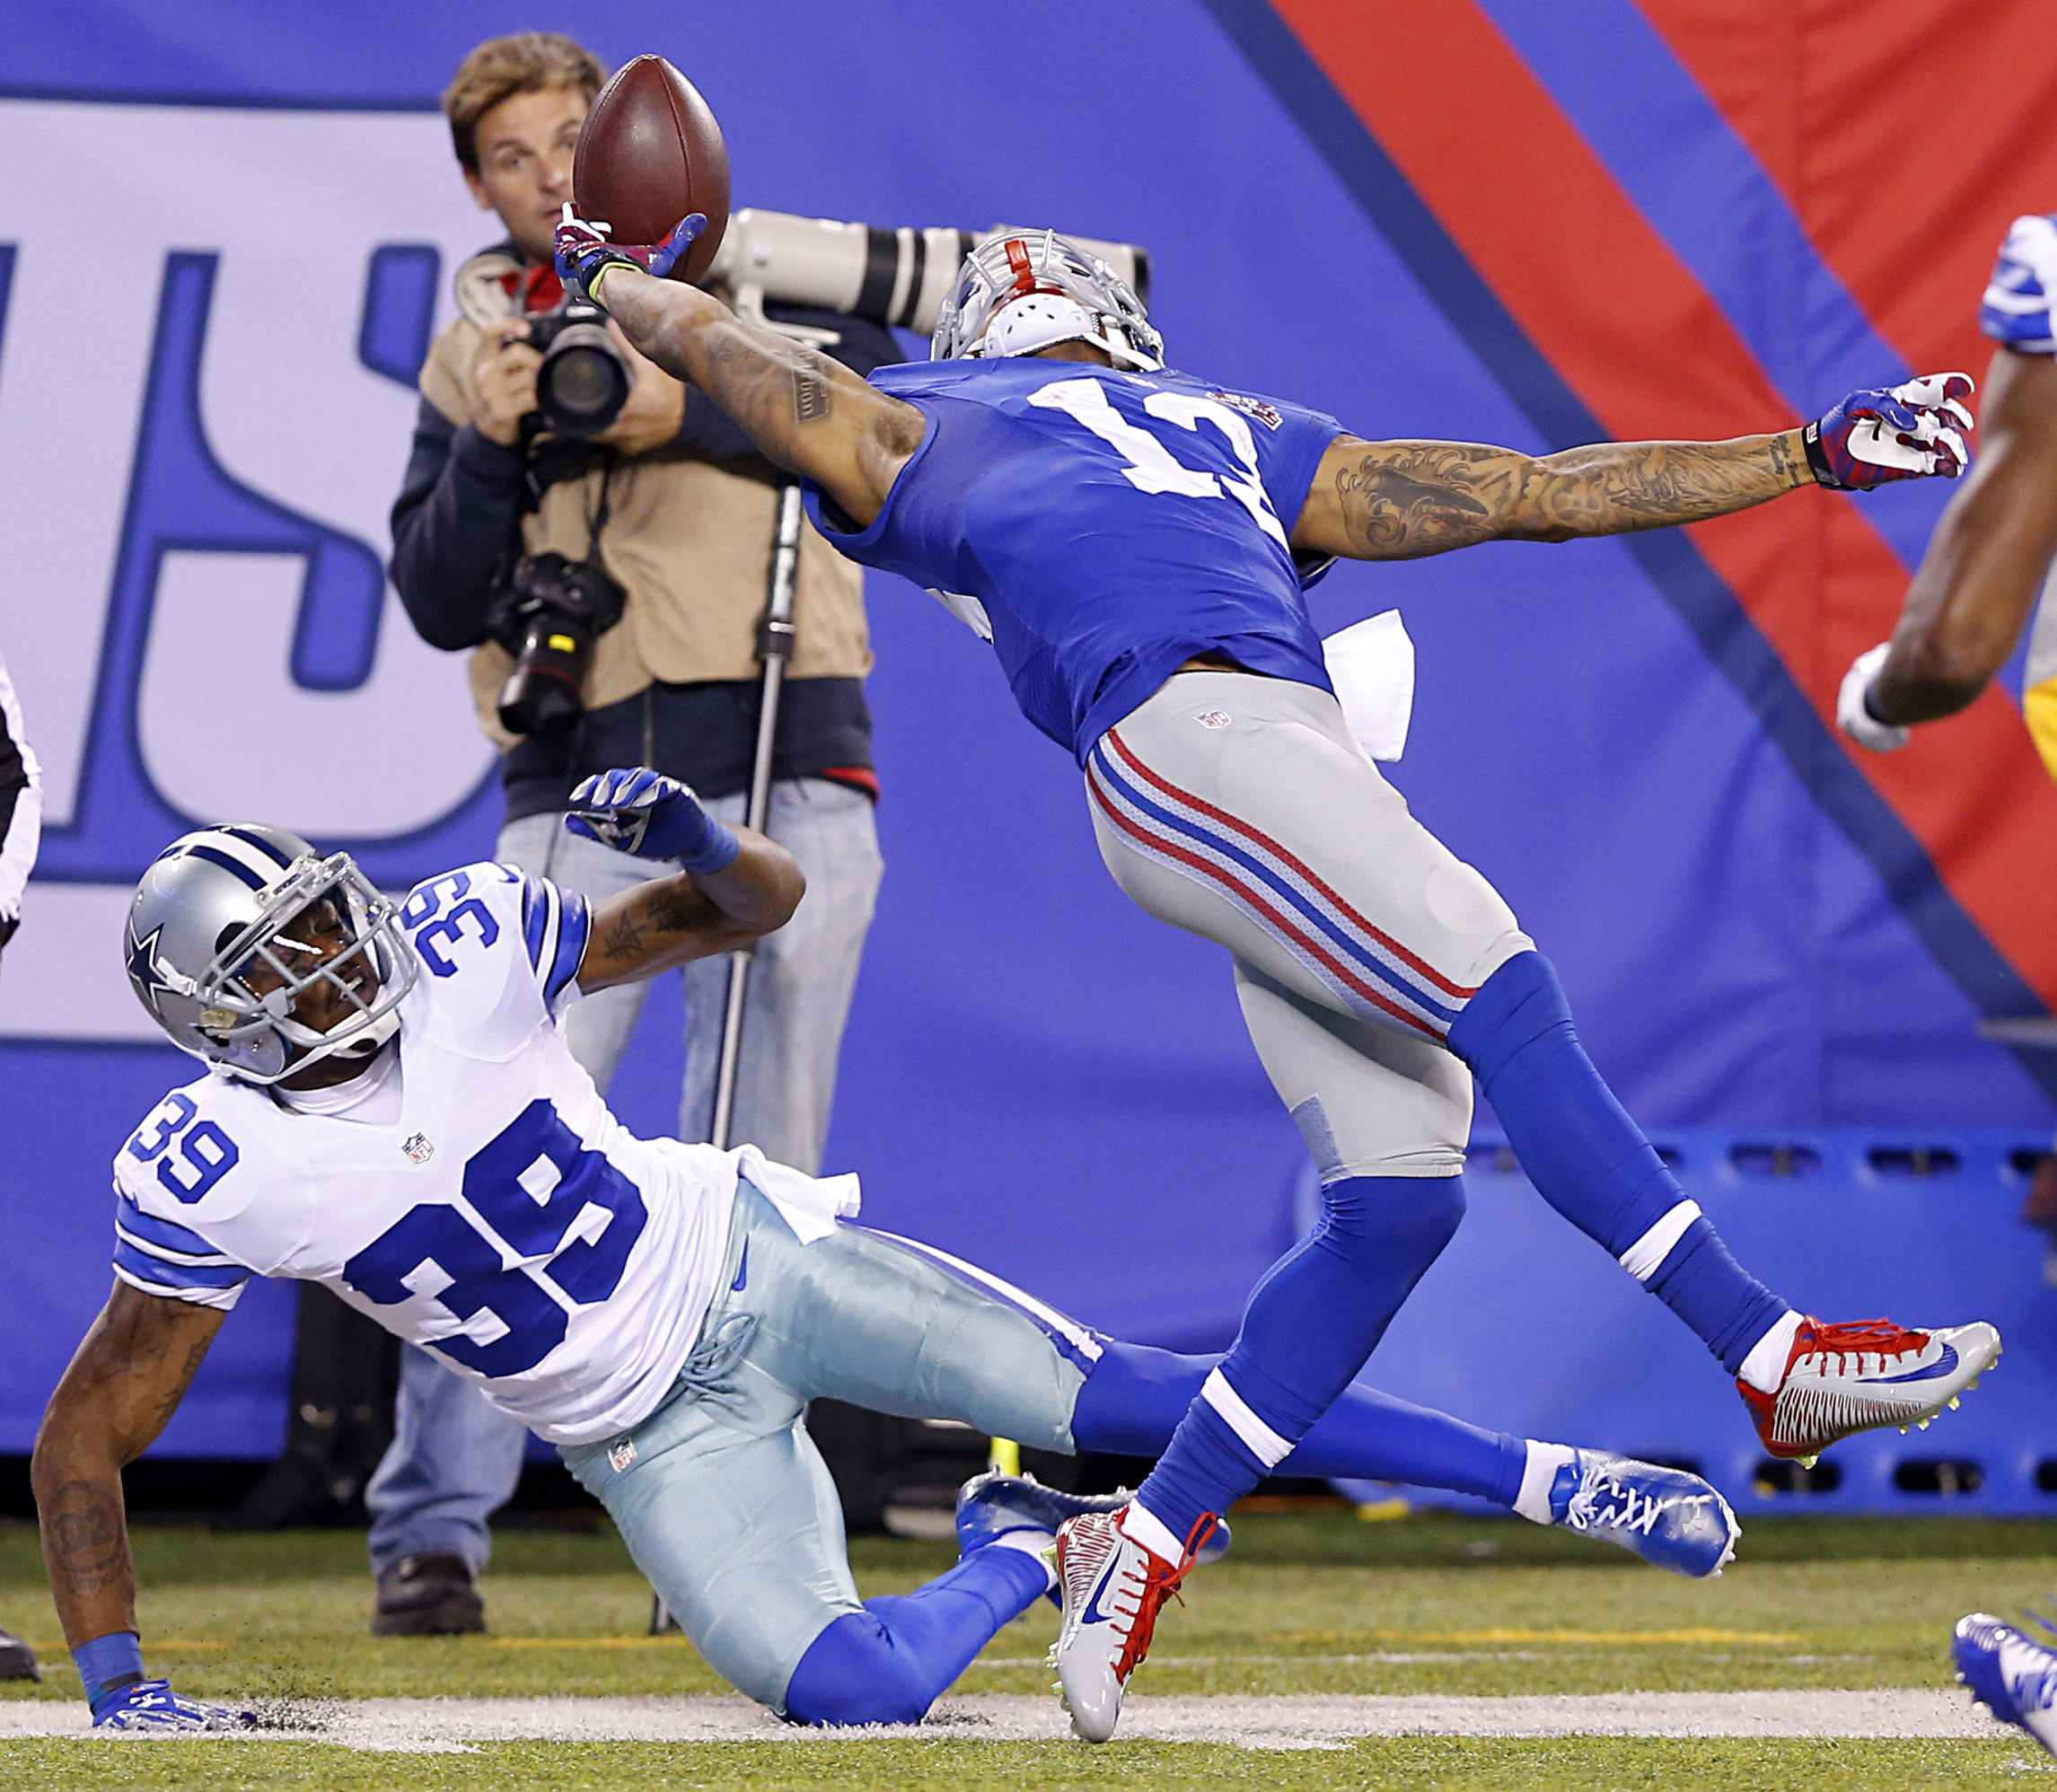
[1092,1614]
[1944,1364]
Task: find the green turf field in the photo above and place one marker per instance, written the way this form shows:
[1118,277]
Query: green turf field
[1319,1603]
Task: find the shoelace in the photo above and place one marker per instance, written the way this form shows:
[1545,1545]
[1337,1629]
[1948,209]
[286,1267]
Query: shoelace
[1162,1583]
[1866,1338]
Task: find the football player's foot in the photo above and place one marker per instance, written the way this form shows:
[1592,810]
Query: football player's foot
[1113,1588]
[1665,1515]
[991,1505]
[1843,1379]
[2011,1674]
[428,1595]
[17,1659]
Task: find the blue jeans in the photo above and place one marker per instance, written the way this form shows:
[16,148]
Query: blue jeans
[454,1459]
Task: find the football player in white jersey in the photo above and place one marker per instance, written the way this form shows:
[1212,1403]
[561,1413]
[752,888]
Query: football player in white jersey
[390,1109]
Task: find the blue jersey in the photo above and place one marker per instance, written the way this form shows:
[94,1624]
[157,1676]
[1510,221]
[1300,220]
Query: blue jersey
[1100,527]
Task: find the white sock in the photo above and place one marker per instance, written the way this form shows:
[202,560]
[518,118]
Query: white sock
[1544,1460]
[1030,1542]
[1141,1525]
[1765,1367]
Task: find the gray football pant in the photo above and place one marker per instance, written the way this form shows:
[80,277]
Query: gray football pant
[723,1499]
[1240,808]
[454,1459]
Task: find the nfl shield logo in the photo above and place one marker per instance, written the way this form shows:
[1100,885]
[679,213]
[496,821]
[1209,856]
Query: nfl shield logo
[418,1149]
[621,1452]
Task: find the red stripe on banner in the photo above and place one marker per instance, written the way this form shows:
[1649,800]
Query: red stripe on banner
[1257,900]
[1905,136]
[1644,345]
[1266,844]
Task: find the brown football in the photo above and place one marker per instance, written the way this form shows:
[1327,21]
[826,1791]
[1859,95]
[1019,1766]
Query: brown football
[649,155]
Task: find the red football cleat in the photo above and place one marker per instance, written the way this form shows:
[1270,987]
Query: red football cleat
[1844,1379]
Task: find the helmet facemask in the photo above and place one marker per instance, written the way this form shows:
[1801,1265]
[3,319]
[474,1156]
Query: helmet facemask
[322,927]
[1083,298]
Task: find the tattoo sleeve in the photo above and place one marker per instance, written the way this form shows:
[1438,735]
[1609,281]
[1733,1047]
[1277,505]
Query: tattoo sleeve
[1398,500]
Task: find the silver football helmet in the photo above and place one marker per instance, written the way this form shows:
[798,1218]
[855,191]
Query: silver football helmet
[1019,292]
[213,908]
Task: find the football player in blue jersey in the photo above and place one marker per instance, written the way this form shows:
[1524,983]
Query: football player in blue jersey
[1136,542]
[390,1109]
[1985,574]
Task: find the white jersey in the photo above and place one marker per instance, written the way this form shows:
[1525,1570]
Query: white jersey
[505,1218]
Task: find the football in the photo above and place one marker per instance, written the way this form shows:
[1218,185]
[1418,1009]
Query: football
[650,154]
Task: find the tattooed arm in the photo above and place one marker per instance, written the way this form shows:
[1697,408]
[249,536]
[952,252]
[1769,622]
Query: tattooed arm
[674,920]
[120,1391]
[1402,500]
[809,413]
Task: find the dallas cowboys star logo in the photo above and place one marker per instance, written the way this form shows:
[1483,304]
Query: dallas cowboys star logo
[152,975]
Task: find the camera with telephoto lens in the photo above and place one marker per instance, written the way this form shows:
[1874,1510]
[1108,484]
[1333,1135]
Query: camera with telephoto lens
[549,616]
[584,379]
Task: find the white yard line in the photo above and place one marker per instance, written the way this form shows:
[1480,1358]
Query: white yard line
[439,1724]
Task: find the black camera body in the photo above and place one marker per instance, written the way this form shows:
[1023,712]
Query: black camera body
[549,616]
[584,379]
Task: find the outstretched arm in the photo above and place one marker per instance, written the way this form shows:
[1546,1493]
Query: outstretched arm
[805,412]
[734,886]
[122,1387]
[1988,558]
[1403,500]
[1399,500]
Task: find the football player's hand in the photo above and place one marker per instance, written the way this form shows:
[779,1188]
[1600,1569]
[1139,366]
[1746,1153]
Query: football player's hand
[648,815]
[584,253]
[1853,717]
[152,1705]
[1904,432]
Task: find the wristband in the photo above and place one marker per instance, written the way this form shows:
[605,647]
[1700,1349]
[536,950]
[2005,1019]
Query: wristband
[108,1664]
[717,850]
[1818,458]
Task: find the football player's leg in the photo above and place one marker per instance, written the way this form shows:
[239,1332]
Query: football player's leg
[1135,1397]
[1591,1162]
[1387,1116]
[1270,833]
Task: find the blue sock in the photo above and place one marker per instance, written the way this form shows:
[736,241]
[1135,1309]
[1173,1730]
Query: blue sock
[1135,1396]
[891,1662]
[1589,1161]
[1311,1323]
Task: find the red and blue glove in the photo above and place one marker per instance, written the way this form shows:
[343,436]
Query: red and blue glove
[1904,432]
[584,253]
[648,815]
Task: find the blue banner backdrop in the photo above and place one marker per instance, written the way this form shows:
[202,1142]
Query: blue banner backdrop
[227,237]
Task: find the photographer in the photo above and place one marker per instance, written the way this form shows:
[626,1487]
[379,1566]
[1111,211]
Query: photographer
[609,584]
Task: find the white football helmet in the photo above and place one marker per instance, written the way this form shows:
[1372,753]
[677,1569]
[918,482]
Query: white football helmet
[1020,292]
[215,905]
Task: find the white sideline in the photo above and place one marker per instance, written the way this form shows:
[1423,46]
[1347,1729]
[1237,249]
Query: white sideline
[442,1725]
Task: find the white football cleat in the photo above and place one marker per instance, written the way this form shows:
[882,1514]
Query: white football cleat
[1844,1379]
[2011,1674]
[1113,1590]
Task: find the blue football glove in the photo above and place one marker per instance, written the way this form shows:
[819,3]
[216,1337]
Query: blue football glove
[1904,432]
[648,815]
[152,1705]
[584,253]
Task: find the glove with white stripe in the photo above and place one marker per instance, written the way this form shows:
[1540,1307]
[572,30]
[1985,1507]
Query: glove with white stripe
[1885,433]
[584,253]
[648,815]
[151,1705]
